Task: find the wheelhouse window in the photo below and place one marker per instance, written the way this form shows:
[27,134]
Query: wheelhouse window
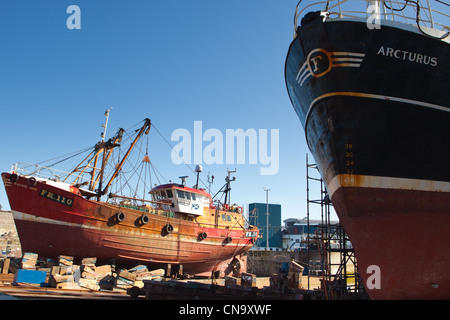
[180,194]
[161,194]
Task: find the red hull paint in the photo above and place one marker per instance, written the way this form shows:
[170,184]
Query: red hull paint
[405,233]
[50,224]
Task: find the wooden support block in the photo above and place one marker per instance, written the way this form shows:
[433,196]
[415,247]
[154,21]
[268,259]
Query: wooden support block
[65,260]
[150,274]
[55,270]
[68,285]
[63,278]
[89,261]
[8,278]
[123,273]
[89,283]
[6,263]
[106,269]
[138,269]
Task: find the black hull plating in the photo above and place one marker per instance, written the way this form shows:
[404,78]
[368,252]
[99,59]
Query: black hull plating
[372,102]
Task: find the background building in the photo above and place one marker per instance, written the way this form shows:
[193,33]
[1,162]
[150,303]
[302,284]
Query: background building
[295,234]
[258,217]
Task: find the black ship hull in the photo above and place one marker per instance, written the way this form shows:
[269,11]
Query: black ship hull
[375,106]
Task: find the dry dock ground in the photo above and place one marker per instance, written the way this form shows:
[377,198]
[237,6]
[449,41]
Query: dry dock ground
[34,293]
[23,292]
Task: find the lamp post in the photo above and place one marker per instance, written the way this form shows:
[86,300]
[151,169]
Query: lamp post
[267,218]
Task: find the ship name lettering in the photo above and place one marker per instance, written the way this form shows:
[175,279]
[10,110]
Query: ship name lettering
[408,56]
[56,197]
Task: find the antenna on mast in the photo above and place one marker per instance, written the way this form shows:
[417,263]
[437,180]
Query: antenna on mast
[228,179]
[104,126]
[183,180]
[198,169]
[210,182]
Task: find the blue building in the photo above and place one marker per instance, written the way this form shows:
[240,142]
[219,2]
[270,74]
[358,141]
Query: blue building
[258,218]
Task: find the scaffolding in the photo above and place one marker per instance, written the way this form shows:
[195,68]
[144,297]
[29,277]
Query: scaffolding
[340,277]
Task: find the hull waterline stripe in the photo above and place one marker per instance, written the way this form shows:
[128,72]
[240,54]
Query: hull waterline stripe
[361,181]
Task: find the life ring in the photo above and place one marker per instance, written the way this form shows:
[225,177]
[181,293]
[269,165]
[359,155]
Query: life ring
[32,181]
[14,177]
[239,210]
[211,205]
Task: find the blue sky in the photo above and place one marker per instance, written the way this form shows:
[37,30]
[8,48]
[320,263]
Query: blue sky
[175,62]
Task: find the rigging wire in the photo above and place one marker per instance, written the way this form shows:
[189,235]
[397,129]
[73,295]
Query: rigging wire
[178,154]
[440,1]
[132,169]
[68,155]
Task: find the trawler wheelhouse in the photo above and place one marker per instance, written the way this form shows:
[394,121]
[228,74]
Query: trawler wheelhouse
[181,199]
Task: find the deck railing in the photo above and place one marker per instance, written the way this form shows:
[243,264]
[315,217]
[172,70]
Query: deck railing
[434,14]
[35,170]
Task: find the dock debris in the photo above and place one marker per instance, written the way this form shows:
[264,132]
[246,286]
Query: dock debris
[64,274]
[141,283]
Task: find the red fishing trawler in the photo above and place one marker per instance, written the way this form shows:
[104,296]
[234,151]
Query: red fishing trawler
[78,216]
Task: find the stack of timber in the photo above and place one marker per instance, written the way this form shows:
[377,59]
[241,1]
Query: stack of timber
[5,276]
[64,274]
[96,277]
[135,276]
[29,261]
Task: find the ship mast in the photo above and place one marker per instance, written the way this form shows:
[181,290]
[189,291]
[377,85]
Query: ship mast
[228,179]
[144,129]
[107,148]
[102,135]
[96,152]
